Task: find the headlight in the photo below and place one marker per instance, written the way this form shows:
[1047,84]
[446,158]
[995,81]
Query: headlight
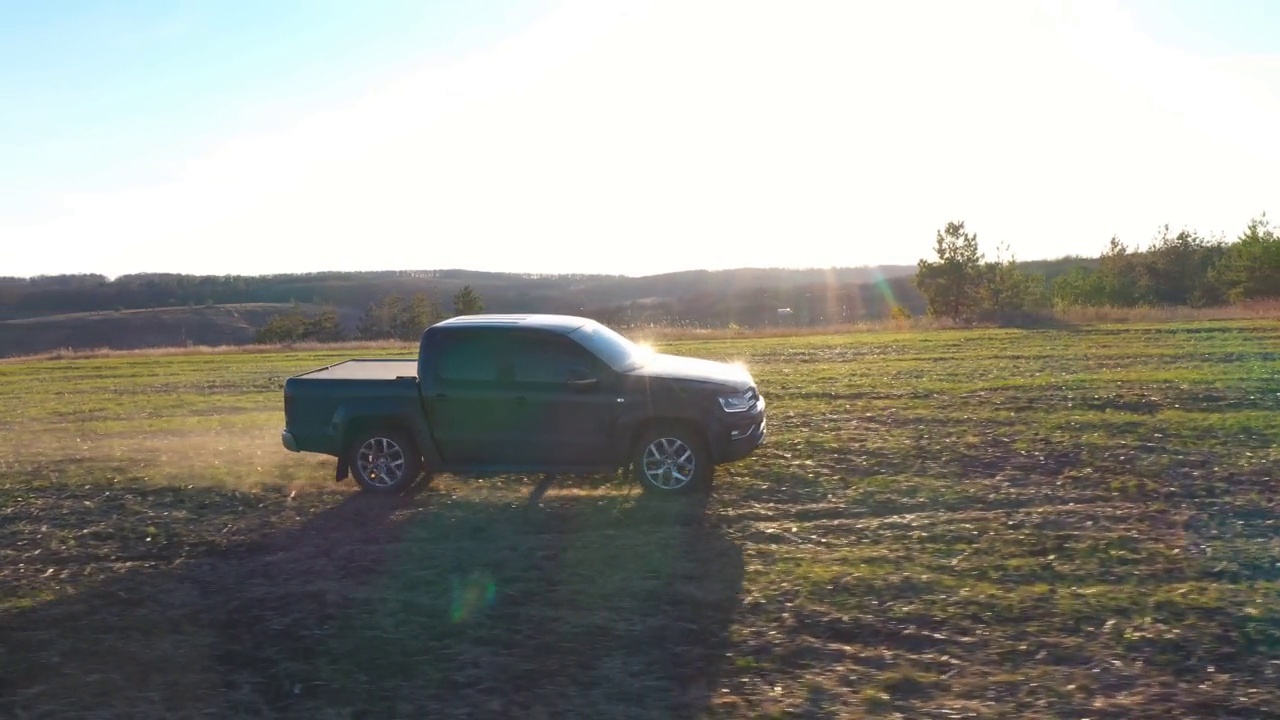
[736,403]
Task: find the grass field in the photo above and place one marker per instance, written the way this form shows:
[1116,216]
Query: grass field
[1078,523]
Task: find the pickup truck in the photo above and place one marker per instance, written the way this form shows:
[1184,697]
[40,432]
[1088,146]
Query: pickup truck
[506,394]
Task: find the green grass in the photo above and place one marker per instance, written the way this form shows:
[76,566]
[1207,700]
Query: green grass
[1076,523]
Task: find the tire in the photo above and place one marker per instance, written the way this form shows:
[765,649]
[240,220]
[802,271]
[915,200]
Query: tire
[671,460]
[384,461]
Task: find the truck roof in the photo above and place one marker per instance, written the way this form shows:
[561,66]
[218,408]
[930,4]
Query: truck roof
[555,323]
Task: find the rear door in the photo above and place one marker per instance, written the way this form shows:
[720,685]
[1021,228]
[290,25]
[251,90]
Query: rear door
[468,408]
[565,401]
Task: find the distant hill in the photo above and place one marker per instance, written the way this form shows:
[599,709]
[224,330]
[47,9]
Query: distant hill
[133,329]
[154,310]
[503,292]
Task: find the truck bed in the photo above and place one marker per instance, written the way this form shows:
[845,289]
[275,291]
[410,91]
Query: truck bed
[376,369]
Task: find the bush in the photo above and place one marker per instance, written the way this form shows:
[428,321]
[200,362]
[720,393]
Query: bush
[398,318]
[296,326]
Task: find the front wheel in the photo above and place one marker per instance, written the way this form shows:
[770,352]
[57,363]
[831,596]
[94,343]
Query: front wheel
[384,461]
[672,461]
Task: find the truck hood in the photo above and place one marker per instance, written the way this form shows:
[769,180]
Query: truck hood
[677,367]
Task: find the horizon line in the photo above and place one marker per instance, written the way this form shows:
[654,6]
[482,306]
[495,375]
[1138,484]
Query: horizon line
[745,268]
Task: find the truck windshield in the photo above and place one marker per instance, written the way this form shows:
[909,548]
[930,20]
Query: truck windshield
[618,352]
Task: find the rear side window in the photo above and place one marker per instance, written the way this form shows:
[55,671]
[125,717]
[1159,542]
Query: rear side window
[470,357]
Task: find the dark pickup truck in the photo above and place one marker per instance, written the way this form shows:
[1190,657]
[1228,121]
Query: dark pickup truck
[552,394]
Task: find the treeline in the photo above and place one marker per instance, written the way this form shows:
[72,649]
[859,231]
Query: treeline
[394,317]
[816,303]
[504,292]
[1176,269]
[61,294]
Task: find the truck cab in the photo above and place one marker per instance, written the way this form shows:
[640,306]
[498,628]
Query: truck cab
[552,394]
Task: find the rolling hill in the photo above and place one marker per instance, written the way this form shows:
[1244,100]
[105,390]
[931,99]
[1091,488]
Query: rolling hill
[134,329]
[139,311]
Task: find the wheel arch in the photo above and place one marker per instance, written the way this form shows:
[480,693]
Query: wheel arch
[650,424]
[354,427]
[698,433]
[362,415]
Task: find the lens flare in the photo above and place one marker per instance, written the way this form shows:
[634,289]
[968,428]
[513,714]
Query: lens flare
[886,289]
[472,594]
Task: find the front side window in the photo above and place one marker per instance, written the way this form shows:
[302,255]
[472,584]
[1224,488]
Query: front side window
[615,350]
[548,360]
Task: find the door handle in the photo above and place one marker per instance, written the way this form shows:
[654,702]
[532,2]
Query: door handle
[440,396]
[521,400]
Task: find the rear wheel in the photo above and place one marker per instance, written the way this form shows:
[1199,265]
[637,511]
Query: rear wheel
[384,461]
[672,460]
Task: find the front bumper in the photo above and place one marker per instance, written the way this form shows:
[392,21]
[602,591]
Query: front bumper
[737,438]
[287,439]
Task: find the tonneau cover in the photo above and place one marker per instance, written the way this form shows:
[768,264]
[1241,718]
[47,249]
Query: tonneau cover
[377,369]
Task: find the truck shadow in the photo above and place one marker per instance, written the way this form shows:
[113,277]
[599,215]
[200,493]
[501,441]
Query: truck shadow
[579,608]
[426,606]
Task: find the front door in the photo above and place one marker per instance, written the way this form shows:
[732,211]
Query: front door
[566,406]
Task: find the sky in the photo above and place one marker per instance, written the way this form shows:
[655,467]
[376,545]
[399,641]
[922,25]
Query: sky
[621,137]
